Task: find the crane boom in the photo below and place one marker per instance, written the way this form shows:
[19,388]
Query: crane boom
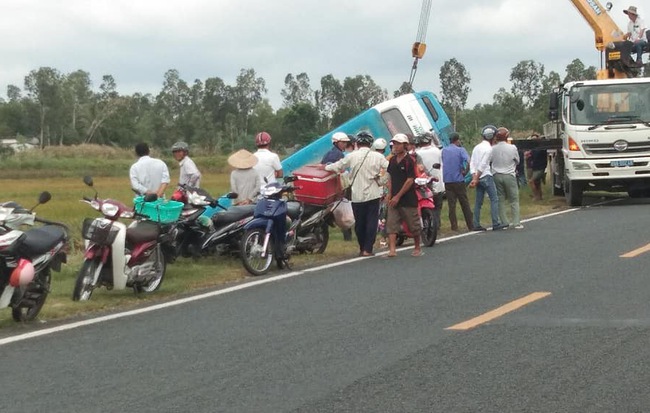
[605,29]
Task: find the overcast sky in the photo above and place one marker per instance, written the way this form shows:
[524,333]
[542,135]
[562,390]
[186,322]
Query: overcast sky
[137,41]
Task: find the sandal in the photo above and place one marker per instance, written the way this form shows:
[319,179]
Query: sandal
[417,254]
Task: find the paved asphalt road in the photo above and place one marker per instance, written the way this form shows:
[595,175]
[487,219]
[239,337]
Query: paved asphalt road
[371,336]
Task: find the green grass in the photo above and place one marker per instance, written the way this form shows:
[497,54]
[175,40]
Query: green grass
[184,276]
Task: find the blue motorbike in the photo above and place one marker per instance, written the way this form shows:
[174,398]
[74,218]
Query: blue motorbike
[272,233]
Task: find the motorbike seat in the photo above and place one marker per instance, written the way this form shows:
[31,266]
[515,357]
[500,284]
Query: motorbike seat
[233,214]
[294,209]
[143,231]
[40,240]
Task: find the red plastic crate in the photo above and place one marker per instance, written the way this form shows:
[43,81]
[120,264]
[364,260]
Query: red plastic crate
[319,187]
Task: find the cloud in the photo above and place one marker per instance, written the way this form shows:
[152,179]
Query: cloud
[137,41]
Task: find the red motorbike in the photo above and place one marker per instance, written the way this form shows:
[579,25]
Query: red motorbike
[117,256]
[426,210]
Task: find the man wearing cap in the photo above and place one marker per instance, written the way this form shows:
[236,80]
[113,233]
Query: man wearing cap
[189,174]
[402,199]
[431,158]
[244,180]
[482,179]
[340,141]
[505,159]
[268,165]
[636,33]
[365,167]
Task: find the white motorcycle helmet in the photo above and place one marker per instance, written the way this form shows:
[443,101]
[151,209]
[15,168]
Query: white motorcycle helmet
[340,137]
[379,144]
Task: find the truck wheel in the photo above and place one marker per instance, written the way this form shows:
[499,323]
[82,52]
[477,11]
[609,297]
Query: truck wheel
[573,192]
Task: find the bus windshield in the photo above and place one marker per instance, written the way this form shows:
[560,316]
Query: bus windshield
[609,104]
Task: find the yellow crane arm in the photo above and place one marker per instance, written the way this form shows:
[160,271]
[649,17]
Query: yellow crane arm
[605,29]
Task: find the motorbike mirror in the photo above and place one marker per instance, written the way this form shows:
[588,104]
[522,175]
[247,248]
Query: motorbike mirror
[44,197]
[150,197]
[232,195]
[88,180]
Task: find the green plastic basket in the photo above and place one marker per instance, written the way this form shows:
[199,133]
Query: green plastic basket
[159,210]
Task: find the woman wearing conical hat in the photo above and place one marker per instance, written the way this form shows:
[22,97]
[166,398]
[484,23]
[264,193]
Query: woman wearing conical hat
[244,180]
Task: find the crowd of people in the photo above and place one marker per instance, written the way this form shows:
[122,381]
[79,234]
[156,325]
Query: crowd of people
[381,184]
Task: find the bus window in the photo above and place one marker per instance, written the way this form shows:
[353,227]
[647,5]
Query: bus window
[432,110]
[395,122]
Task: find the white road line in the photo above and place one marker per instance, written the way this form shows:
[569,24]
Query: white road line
[97,320]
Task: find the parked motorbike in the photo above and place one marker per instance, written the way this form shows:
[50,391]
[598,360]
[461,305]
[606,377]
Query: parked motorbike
[267,237]
[28,257]
[427,212]
[313,232]
[117,256]
[199,235]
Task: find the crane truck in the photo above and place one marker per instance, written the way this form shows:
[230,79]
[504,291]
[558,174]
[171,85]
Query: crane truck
[599,130]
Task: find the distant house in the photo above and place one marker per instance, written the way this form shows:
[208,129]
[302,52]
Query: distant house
[15,145]
[8,142]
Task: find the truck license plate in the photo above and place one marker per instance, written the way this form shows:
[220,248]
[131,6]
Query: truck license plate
[624,162]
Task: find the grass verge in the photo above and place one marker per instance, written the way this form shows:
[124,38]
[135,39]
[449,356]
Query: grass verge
[186,276]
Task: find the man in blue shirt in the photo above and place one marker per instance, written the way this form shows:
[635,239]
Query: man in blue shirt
[455,160]
[340,140]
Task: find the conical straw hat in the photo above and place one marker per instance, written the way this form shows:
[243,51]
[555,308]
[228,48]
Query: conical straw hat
[242,159]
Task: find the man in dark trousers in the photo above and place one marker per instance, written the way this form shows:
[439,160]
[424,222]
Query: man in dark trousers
[340,142]
[365,168]
[456,161]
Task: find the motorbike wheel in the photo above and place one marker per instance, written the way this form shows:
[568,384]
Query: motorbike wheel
[429,228]
[400,240]
[322,233]
[33,297]
[251,249]
[84,287]
[161,267]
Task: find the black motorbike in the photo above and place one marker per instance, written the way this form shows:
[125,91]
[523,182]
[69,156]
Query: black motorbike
[200,235]
[28,257]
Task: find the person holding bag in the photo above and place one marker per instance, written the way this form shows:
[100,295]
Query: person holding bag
[365,167]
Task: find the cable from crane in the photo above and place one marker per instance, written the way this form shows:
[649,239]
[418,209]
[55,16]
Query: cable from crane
[419,47]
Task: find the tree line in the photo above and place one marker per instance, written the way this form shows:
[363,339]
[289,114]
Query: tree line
[64,109]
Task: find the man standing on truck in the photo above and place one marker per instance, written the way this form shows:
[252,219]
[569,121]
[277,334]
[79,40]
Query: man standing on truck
[636,33]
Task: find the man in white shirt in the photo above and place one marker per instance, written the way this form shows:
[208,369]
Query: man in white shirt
[189,173]
[636,33]
[148,175]
[268,165]
[365,169]
[505,159]
[482,179]
[431,155]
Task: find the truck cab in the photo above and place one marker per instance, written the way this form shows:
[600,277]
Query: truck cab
[604,129]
